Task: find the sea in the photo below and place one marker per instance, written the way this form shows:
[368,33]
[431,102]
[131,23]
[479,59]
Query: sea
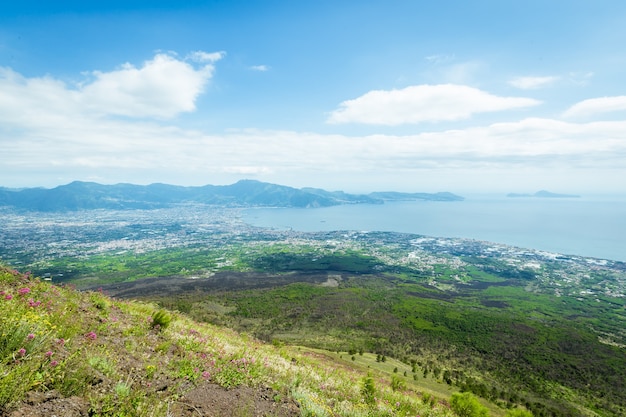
[587,226]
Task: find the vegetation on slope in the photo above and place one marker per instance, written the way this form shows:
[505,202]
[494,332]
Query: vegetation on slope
[78,354]
[516,327]
[489,334]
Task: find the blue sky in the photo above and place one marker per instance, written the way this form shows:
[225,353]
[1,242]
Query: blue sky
[462,96]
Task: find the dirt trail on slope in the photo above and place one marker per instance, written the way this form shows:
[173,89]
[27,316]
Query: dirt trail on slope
[206,400]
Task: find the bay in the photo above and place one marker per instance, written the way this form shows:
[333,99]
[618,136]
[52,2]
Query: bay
[593,227]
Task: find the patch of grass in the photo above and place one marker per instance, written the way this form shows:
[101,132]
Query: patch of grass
[103,365]
[161,320]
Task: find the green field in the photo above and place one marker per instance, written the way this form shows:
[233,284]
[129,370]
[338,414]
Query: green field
[547,335]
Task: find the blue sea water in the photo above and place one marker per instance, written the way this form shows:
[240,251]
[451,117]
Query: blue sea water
[594,227]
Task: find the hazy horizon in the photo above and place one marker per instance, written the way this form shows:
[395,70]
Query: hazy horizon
[466,194]
[465,97]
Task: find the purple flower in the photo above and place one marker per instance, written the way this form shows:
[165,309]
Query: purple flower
[23,291]
[91,336]
[54,363]
[8,297]
[33,303]
[49,353]
[30,336]
[22,352]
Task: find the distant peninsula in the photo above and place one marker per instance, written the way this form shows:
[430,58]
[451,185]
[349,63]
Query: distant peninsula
[80,195]
[543,194]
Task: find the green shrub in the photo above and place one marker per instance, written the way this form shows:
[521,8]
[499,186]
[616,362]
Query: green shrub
[161,319]
[397,383]
[100,301]
[518,412]
[467,405]
[368,390]
[102,364]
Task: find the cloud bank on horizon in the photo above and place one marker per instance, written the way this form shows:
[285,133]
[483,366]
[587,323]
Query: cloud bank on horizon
[338,107]
[422,103]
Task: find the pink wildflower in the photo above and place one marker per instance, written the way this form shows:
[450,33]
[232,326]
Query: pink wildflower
[30,336]
[54,363]
[22,352]
[61,342]
[49,353]
[206,375]
[91,336]
[8,297]
[23,291]
[33,303]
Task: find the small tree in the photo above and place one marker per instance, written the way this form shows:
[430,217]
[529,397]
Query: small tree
[397,383]
[368,390]
[467,405]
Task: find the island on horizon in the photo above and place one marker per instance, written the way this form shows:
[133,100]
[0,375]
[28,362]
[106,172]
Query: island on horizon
[542,194]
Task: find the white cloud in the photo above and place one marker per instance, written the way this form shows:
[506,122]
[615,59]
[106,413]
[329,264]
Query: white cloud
[48,135]
[438,59]
[533,83]
[595,106]
[261,68]
[461,73]
[128,151]
[203,57]
[423,103]
[580,78]
[247,170]
[162,87]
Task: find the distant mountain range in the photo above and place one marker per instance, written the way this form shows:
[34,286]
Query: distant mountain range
[544,194]
[245,193]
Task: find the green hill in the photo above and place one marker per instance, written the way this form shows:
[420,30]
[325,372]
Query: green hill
[70,353]
[80,195]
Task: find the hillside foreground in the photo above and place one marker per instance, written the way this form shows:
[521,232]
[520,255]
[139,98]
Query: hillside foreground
[70,353]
